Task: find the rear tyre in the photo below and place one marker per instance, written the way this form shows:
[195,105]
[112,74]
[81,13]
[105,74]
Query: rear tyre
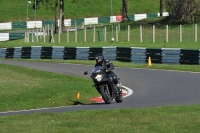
[106,95]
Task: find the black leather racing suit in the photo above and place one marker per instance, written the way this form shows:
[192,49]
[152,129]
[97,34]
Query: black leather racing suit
[109,66]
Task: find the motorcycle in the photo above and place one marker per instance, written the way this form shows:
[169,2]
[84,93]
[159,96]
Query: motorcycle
[105,85]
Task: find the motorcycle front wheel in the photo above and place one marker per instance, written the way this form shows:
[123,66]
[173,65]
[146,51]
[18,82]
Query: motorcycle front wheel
[106,95]
[119,98]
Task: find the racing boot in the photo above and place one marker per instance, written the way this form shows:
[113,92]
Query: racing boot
[119,90]
[119,85]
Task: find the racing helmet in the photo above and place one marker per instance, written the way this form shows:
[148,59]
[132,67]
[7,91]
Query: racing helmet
[99,58]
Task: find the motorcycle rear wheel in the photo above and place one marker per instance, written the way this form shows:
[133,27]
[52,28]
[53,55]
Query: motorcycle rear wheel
[106,95]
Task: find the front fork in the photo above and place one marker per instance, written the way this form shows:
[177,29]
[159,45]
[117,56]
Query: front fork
[112,85]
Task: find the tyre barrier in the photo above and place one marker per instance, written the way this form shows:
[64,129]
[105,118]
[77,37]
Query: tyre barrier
[124,54]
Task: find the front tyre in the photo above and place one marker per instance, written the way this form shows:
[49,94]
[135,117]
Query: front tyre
[105,93]
[119,98]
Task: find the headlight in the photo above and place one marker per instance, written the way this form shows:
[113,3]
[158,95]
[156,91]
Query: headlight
[99,77]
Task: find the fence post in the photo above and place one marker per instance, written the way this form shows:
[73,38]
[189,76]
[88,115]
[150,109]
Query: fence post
[167,33]
[25,37]
[44,34]
[94,34]
[128,33]
[48,29]
[117,33]
[180,31]
[82,25]
[45,31]
[141,38]
[40,33]
[153,33]
[68,34]
[105,34]
[75,32]
[28,36]
[59,32]
[33,39]
[196,33]
[85,34]
[51,37]
[37,35]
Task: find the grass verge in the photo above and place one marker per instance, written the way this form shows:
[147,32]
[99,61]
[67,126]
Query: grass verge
[26,88]
[152,120]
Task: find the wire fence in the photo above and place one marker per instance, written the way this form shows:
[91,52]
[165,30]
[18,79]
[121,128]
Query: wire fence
[167,33]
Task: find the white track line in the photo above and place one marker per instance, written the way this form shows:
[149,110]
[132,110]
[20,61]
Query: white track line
[129,91]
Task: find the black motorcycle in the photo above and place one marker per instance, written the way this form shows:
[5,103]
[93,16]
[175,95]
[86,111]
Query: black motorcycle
[104,83]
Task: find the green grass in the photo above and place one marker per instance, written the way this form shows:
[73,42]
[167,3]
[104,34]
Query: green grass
[184,45]
[26,88]
[16,11]
[151,120]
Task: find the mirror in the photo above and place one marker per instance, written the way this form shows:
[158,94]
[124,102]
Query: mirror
[85,73]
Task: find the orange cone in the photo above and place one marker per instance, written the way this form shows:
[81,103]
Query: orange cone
[78,95]
[149,61]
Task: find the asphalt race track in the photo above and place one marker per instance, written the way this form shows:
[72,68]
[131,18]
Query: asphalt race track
[151,88]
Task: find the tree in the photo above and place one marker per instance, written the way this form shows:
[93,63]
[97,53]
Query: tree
[35,6]
[62,14]
[161,7]
[182,11]
[125,10]
[52,5]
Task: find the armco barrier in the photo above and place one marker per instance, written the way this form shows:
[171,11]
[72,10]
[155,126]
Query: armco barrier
[36,52]
[109,53]
[124,54]
[82,53]
[46,53]
[93,51]
[3,52]
[189,56]
[69,53]
[155,54]
[171,55]
[57,52]
[138,55]
[26,53]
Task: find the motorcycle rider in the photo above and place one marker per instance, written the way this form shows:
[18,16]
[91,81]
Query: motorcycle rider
[100,61]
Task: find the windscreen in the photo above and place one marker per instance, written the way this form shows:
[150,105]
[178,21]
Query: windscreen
[97,69]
